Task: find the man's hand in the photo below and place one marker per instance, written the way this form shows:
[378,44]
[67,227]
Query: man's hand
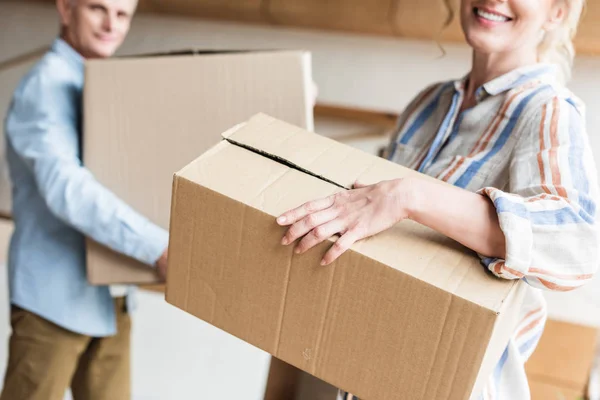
[161,265]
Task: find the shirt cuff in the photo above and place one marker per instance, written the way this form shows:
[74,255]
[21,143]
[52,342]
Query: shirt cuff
[518,236]
[156,240]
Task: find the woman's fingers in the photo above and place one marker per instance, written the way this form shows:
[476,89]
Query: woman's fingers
[307,224]
[320,234]
[292,216]
[341,245]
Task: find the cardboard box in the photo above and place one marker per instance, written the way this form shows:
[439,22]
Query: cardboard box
[146,117]
[407,314]
[286,382]
[365,130]
[6,230]
[282,381]
[541,390]
[557,370]
[563,357]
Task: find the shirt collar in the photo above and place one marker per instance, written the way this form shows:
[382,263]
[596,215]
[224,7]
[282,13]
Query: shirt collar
[513,79]
[63,49]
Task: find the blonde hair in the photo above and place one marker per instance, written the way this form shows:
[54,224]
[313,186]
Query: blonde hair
[556,46]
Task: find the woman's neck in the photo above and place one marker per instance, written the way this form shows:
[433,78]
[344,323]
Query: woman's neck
[486,67]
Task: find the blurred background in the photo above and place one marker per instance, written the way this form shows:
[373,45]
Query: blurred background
[369,59]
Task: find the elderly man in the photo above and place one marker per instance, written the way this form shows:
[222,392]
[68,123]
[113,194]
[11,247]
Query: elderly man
[64,331]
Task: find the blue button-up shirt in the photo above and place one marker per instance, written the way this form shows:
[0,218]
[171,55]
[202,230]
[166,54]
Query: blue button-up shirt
[57,202]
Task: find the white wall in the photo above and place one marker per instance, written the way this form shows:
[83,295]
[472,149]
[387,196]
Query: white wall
[178,357]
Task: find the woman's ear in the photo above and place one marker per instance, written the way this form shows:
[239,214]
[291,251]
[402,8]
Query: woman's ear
[557,15]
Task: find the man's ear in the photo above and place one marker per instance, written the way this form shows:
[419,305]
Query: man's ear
[65,10]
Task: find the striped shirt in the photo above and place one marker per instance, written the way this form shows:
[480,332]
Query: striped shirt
[524,146]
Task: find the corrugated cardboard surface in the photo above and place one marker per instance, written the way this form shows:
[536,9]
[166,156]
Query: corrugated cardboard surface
[146,118]
[541,390]
[6,229]
[283,381]
[312,388]
[564,355]
[407,314]
[288,382]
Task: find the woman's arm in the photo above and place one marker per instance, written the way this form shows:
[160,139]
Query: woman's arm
[466,217]
[543,229]
[469,218]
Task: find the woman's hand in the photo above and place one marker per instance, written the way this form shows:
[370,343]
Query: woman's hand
[354,214]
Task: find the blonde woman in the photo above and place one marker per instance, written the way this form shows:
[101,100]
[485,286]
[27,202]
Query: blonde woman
[511,139]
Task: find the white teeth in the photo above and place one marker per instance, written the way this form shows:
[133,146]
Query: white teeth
[491,17]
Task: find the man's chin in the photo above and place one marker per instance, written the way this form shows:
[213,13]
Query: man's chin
[103,50]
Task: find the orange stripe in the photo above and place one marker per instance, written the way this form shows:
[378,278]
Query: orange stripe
[556,179]
[489,191]
[417,104]
[529,326]
[502,265]
[530,313]
[483,143]
[576,277]
[542,147]
[554,286]
[543,196]
[514,272]
[425,95]
[498,267]
[484,139]
[499,118]
[457,163]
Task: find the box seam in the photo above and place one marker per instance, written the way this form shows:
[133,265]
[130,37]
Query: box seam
[285,293]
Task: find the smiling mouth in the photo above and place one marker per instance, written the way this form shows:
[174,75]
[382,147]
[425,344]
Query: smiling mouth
[490,16]
[106,38]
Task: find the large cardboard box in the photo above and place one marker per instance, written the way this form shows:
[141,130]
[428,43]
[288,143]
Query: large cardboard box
[6,229]
[286,382]
[562,361]
[542,390]
[406,314]
[146,117]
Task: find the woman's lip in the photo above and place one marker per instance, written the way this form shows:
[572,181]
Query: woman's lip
[492,11]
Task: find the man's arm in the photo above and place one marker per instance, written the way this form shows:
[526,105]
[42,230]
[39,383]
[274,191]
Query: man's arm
[41,128]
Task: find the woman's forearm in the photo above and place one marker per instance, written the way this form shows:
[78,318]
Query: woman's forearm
[466,217]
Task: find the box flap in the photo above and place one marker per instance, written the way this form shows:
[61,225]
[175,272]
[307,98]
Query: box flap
[315,154]
[283,178]
[195,52]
